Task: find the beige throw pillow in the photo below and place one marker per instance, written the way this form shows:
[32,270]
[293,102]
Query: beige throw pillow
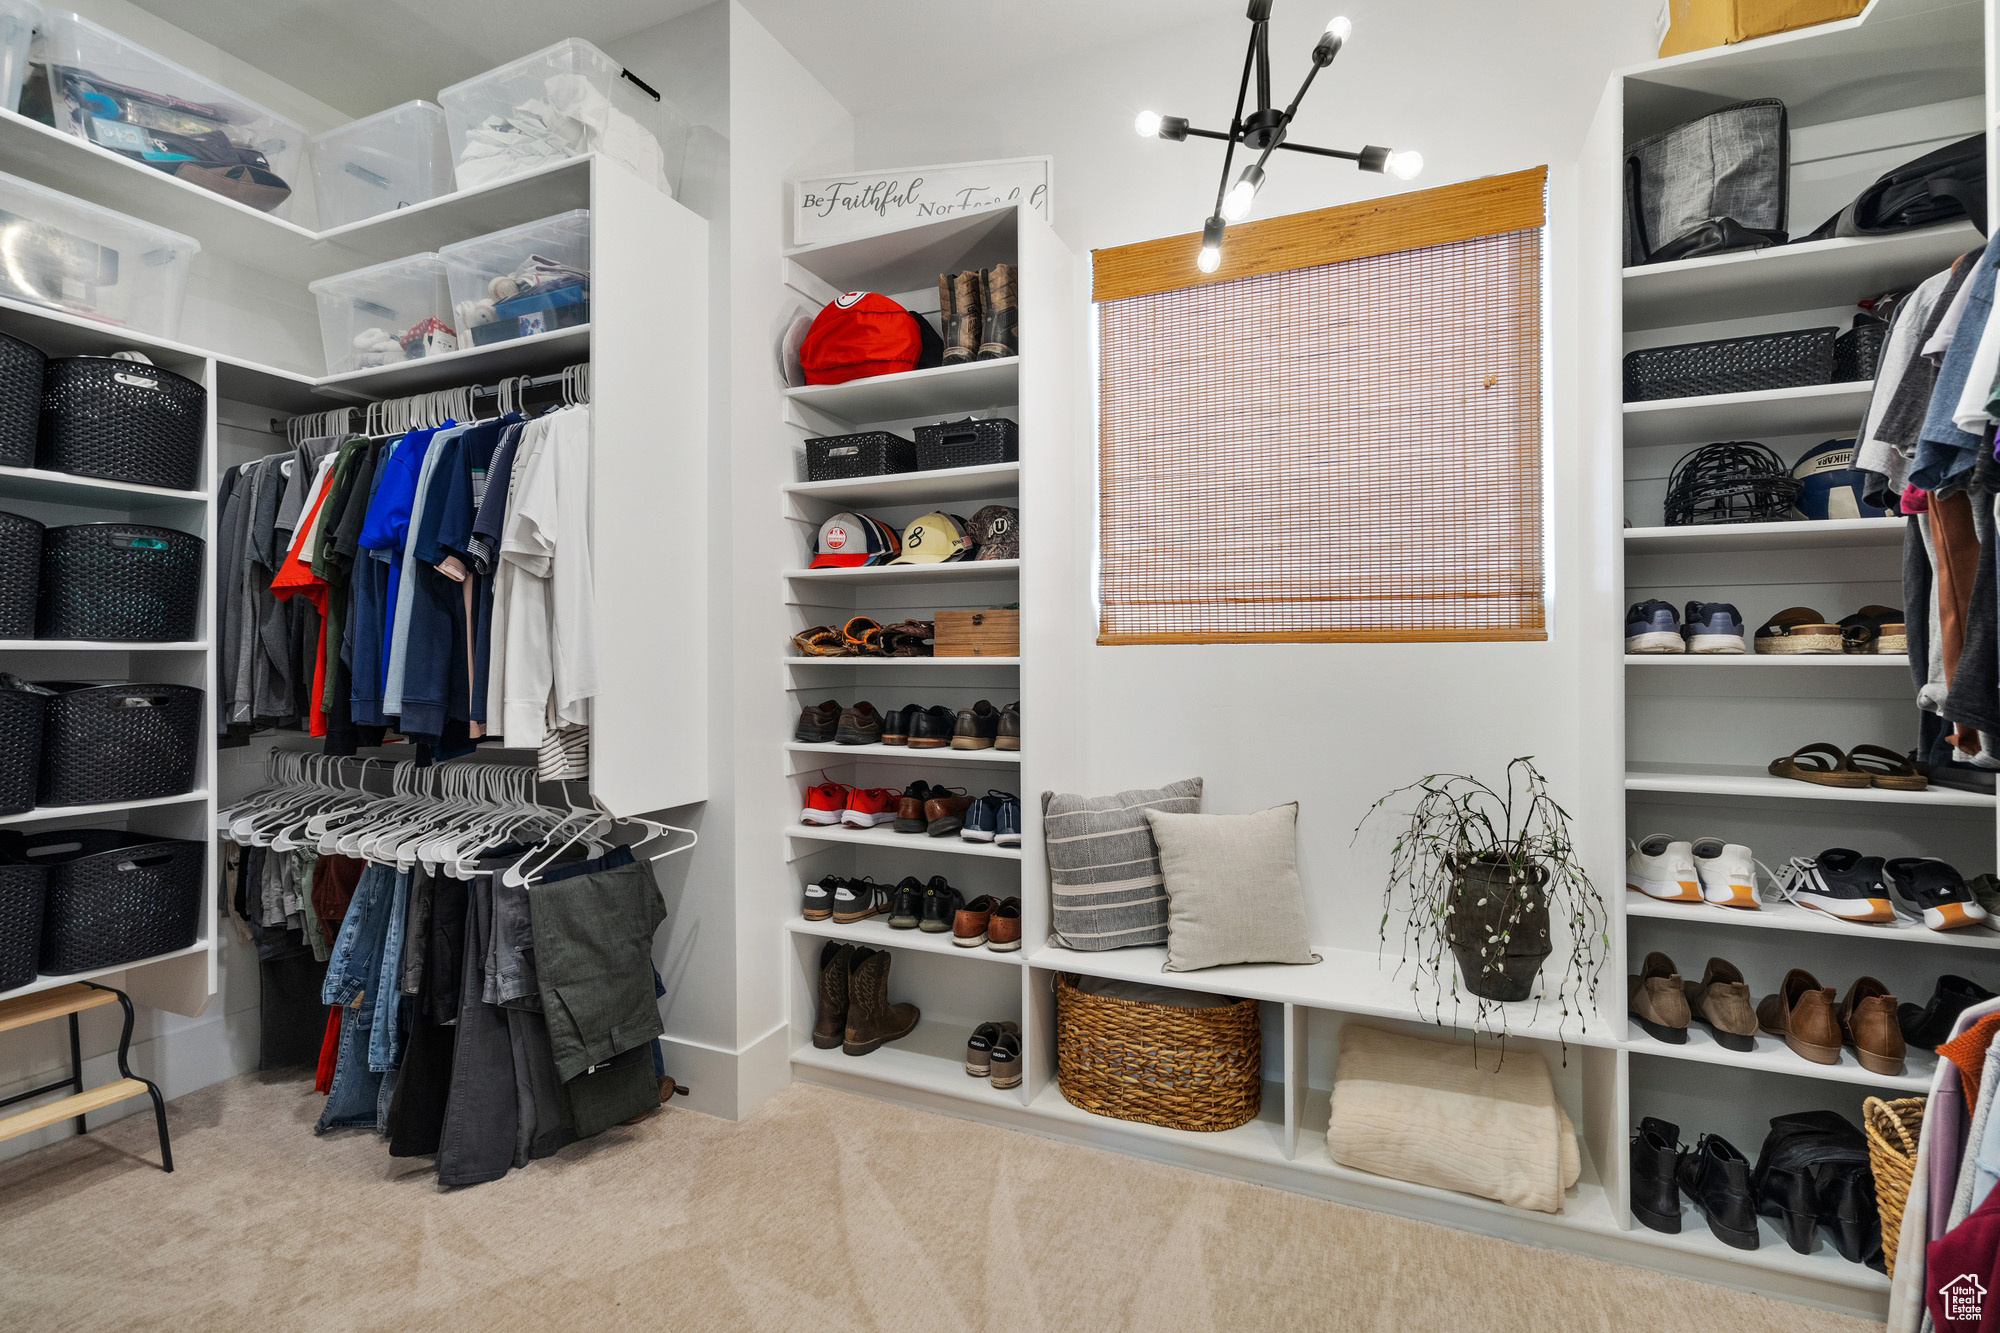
[1233,893]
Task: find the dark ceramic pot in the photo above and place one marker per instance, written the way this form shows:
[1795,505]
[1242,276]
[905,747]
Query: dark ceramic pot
[1482,901]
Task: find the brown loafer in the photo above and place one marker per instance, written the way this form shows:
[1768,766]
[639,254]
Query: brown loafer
[968,925]
[1003,928]
[1658,1000]
[945,813]
[1721,1001]
[1802,1012]
[1868,1023]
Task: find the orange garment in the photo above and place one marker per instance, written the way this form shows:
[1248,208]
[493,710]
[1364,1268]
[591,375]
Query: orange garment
[295,577]
[1967,1053]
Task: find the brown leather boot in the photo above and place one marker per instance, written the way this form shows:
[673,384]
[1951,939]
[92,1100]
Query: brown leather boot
[1658,1001]
[1868,1022]
[836,961]
[1000,319]
[871,1018]
[1802,1013]
[1721,999]
[961,314]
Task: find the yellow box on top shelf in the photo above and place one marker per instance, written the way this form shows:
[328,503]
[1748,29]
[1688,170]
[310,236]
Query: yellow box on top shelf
[1694,25]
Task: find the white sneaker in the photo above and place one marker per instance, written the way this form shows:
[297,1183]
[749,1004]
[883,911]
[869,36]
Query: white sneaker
[1728,873]
[1662,868]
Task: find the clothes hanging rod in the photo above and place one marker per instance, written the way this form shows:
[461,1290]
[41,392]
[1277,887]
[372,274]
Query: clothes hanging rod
[525,385]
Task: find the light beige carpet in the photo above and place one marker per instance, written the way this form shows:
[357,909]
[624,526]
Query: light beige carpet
[822,1212]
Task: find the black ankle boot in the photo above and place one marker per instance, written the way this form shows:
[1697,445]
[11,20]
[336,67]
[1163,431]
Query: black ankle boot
[1656,1195]
[1717,1178]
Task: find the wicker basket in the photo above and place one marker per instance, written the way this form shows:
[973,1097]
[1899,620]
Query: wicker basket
[112,897]
[21,368]
[122,421]
[21,891]
[1196,1069]
[119,581]
[1893,1129]
[20,574]
[21,718]
[1731,365]
[871,453]
[119,743]
[967,443]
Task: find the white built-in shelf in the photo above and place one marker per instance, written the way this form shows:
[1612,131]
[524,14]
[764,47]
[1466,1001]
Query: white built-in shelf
[903,661]
[1772,1254]
[1352,981]
[1772,1056]
[1769,659]
[541,353]
[1261,1139]
[939,393]
[30,483]
[940,486]
[1751,782]
[1835,409]
[42,812]
[921,843]
[876,934]
[96,646]
[97,974]
[910,258]
[903,754]
[930,1059]
[958,571]
[1781,915]
[1810,276]
[1793,534]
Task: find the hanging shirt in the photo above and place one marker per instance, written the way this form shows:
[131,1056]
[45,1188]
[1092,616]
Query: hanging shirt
[386,528]
[551,670]
[295,577]
[443,447]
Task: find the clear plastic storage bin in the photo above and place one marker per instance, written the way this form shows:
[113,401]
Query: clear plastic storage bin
[118,95]
[18,21]
[91,261]
[564,101]
[385,315]
[523,281]
[384,162]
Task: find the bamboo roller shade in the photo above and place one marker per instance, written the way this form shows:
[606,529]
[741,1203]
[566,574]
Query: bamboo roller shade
[1349,451]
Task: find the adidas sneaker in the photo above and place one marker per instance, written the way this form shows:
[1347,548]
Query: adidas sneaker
[1652,627]
[1711,627]
[1728,873]
[1663,868]
[1839,882]
[1935,889]
[817,904]
[858,899]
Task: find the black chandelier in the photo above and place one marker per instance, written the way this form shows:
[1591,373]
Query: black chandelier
[1263,131]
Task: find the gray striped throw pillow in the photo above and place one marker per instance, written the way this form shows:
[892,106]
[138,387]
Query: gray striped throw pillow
[1105,883]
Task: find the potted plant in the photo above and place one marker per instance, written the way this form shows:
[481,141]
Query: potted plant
[1482,872]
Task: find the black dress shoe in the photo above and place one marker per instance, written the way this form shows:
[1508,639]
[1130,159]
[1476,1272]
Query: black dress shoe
[1717,1178]
[932,728]
[941,904]
[896,724]
[1813,1171]
[1656,1194]
[1930,1026]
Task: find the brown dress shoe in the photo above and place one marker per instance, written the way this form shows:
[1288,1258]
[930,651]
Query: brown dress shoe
[1721,1001]
[1010,728]
[1658,1001]
[1802,1013]
[1868,1022]
[871,1018]
[968,924]
[1003,928]
[944,813]
[836,961]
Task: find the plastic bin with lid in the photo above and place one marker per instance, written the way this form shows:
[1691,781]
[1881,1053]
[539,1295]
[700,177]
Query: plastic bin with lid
[18,21]
[74,256]
[112,92]
[381,163]
[530,279]
[385,314]
[563,101]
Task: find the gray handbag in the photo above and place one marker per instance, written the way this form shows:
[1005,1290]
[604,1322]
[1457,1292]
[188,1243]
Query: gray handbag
[1719,182]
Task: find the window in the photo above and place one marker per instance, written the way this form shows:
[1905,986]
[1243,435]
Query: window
[1337,436]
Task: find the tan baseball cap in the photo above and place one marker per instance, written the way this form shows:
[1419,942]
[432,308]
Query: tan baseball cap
[933,539]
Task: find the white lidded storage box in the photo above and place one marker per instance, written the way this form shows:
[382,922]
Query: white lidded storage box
[19,20]
[122,97]
[75,256]
[386,314]
[530,279]
[561,102]
[381,163]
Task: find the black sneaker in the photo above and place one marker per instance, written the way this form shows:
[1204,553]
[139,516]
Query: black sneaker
[941,904]
[896,724]
[818,902]
[1652,627]
[1935,889]
[910,816]
[1711,627]
[1839,882]
[858,899]
[817,723]
[906,904]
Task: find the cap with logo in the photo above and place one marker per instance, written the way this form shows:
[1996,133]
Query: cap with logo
[849,541]
[996,531]
[863,334]
[933,539]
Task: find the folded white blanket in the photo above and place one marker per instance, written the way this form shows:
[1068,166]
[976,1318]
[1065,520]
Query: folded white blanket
[1417,1109]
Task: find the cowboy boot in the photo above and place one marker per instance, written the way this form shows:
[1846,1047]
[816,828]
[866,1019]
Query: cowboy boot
[963,320]
[871,1019]
[836,960]
[1000,329]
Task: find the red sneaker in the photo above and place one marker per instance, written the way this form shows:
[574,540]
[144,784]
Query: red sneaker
[825,803]
[869,806]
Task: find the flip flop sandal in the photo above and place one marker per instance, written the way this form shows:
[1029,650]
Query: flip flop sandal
[821,641]
[1874,629]
[1819,763]
[863,636]
[1798,629]
[1885,768]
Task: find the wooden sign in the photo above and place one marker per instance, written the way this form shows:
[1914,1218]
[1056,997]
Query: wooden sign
[856,203]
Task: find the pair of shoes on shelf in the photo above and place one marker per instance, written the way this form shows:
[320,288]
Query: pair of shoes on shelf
[1663,1005]
[1652,626]
[1816,1027]
[932,907]
[1827,765]
[995,818]
[994,1052]
[927,808]
[993,922]
[1706,870]
[844,901]
[854,1011]
[831,803]
[1800,630]
[1845,884]
[979,727]
[829,722]
[977,310]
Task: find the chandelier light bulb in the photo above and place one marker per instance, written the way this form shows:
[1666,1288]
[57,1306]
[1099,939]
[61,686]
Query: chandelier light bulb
[1242,196]
[1210,258]
[1148,124]
[1340,29]
[1406,165]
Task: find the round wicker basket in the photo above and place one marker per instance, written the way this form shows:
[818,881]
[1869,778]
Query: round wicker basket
[1893,1129]
[1196,1069]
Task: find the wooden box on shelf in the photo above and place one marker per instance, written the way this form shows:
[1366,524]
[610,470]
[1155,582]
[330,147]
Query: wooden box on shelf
[978,634]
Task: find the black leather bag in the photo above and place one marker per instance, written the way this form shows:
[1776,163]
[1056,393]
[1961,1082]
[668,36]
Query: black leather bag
[1941,186]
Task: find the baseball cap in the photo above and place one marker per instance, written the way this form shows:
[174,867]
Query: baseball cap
[862,334]
[849,541]
[933,539]
[996,531]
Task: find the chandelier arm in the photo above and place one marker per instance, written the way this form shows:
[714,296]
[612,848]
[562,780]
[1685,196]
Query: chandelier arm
[1236,122]
[1320,152]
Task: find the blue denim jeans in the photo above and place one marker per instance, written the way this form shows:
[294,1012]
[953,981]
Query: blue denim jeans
[385,1038]
[351,975]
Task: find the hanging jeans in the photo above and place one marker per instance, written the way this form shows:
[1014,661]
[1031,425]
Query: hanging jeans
[351,976]
[385,1038]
